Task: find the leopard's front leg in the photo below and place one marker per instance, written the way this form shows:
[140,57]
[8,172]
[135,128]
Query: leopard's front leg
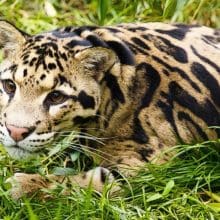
[23,184]
[119,156]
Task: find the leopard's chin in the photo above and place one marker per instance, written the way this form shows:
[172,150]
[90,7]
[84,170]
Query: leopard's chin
[19,153]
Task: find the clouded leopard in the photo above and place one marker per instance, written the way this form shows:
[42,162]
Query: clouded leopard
[140,87]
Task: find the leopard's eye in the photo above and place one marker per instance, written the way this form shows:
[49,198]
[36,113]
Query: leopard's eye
[55,98]
[9,86]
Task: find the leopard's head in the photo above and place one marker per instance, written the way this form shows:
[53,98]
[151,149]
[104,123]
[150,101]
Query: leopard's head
[45,86]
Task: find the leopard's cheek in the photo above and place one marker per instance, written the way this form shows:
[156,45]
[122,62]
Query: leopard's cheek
[57,111]
[60,117]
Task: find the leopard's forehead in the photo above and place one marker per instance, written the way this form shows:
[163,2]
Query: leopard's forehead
[41,62]
[44,51]
[51,49]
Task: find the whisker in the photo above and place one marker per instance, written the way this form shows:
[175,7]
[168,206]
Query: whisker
[91,152]
[88,138]
[70,141]
[91,149]
[102,138]
[84,148]
[102,117]
[87,135]
[80,148]
[89,128]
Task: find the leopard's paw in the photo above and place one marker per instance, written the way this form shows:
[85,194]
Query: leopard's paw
[25,184]
[98,178]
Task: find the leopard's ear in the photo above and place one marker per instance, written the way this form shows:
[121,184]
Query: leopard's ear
[11,39]
[96,60]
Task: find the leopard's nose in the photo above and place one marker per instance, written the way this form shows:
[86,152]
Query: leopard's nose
[19,133]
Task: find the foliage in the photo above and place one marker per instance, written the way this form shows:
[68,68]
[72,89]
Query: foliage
[38,15]
[186,187]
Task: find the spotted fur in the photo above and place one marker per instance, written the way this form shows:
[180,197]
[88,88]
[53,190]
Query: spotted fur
[140,87]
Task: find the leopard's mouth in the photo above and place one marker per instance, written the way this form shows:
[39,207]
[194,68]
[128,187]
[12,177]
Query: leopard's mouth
[30,150]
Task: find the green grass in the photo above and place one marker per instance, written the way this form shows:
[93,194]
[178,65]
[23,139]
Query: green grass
[32,16]
[186,187]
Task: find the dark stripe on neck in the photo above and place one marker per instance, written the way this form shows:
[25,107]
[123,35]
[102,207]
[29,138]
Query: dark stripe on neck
[207,80]
[113,85]
[152,79]
[96,41]
[123,52]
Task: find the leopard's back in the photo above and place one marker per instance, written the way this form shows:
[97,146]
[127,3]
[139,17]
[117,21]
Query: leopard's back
[175,85]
